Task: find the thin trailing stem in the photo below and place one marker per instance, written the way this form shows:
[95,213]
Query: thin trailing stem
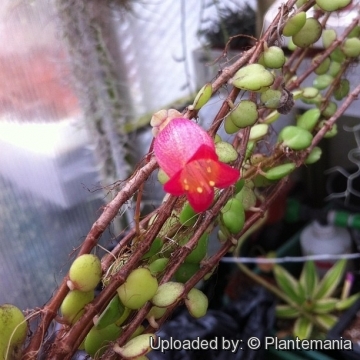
[334,84]
[335,44]
[110,211]
[206,266]
[330,122]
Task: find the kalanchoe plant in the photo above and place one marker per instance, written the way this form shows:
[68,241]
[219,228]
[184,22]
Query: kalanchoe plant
[187,155]
[171,243]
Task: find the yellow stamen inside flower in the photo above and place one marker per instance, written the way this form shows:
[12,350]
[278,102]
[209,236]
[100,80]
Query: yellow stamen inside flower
[199,189]
[212,183]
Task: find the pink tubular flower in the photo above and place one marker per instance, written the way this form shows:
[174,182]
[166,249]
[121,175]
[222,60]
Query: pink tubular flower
[187,155]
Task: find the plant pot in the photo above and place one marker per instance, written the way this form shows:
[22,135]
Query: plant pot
[349,320]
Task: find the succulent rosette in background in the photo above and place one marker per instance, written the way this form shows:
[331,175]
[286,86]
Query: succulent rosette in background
[186,153]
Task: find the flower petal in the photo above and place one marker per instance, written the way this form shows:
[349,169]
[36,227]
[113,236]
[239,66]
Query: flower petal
[204,152]
[204,167]
[174,185]
[201,201]
[187,155]
[200,197]
[226,175]
[177,143]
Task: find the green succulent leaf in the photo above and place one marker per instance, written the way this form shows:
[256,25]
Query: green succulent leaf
[314,155]
[331,280]
[280,171]
[188,216]
[247,197]
[258,131]
[309,279]
[200,250]
[326,320]
[302,328]
[346,303]
[308,119]
[286,312]
[324,306]
[203,96]
[239,185]
[253,77]
[111,314]
[154,248]
[288,284]
[295,137]
[225,152]
[321,82]
[272,117]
